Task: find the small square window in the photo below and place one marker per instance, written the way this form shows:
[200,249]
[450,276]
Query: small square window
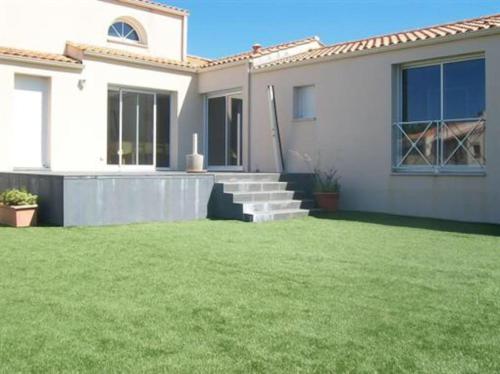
[304,102]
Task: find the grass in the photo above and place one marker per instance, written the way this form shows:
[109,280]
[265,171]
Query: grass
[358,293]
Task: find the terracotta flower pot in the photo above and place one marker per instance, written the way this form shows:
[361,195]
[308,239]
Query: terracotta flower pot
[328,201]
[18,216]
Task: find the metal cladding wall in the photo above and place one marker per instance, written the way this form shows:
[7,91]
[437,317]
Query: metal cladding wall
[120,199]
[95,200]
[49,188]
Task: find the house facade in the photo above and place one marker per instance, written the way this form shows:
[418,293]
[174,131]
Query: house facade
[411,120]
[413,130]
[72,78]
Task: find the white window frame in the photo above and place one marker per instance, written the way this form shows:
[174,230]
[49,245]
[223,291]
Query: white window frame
[138,29]
[213,95]
[440,168]
[298,112]
[152,167]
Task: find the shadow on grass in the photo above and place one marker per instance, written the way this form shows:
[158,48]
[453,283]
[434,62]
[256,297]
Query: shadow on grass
[414,222]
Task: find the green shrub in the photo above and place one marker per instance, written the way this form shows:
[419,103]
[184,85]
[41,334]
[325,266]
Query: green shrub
[326,181]
[18,197]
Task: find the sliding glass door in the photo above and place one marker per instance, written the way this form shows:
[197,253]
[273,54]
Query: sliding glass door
[138,128]
[224,128]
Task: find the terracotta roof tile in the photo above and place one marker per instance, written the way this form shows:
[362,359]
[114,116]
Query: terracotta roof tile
[447,30]
[438,31]
[261,52]
[198,61]
[119,54]
[155,5]
[433,32]
[36,56]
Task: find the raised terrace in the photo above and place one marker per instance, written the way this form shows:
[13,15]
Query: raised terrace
[94,199]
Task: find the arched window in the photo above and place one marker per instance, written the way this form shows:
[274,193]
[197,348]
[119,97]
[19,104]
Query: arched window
[123,30]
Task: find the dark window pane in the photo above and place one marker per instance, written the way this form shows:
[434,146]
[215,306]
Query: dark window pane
[129,32]
[418,146]
[133,36]
[146,129]
[113,31]
[217,131]
[127,29]
[162,131]
[129,128]
[113,126]
[421,94]
[235,129]
[464,89]
[463,143]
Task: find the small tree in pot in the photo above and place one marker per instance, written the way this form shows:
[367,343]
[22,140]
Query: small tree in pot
[18,208]
[327,189]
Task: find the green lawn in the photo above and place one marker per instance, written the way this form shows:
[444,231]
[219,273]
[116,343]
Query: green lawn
[352,292]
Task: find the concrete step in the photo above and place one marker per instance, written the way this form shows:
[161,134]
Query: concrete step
[248,177]
[244,186]
[244,197]
[258,207]
[274,215]
[257,197]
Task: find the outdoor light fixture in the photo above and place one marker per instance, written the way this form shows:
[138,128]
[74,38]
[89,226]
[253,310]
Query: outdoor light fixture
[81,83]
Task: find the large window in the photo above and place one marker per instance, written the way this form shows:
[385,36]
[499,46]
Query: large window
[443,122]
[138,128]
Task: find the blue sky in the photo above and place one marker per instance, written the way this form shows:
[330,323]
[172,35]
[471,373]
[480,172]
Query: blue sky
[222,27]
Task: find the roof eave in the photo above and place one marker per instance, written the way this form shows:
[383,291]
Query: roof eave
[203,69]
[36,61]
[394,47]
[158,8]
[244,57]
[139,62]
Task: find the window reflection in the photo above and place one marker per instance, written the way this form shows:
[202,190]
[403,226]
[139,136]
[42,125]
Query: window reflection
[443,112]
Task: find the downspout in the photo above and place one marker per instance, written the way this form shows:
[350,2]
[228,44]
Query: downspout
[249,116]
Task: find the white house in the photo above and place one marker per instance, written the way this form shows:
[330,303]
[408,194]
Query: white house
[411,120]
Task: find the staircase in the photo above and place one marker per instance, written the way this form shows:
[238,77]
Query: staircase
[257,197]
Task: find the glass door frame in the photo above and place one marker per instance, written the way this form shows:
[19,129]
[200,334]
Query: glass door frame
[226,95]
[154,93]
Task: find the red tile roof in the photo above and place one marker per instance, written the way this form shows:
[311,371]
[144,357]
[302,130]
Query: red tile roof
[118,54]
[35,56]
[156,5]
[198,61]
[261,52]
[405,37]
[75,51]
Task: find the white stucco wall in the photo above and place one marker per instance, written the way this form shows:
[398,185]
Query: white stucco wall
[63,89]
[46,25]
[354,112]
[78,118]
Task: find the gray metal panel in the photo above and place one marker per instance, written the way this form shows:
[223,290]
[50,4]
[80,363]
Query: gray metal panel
[106,200]
[302,182]
[49,188]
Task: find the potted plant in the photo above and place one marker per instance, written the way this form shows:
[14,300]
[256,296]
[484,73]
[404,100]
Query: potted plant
[18,208]
[327,189]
